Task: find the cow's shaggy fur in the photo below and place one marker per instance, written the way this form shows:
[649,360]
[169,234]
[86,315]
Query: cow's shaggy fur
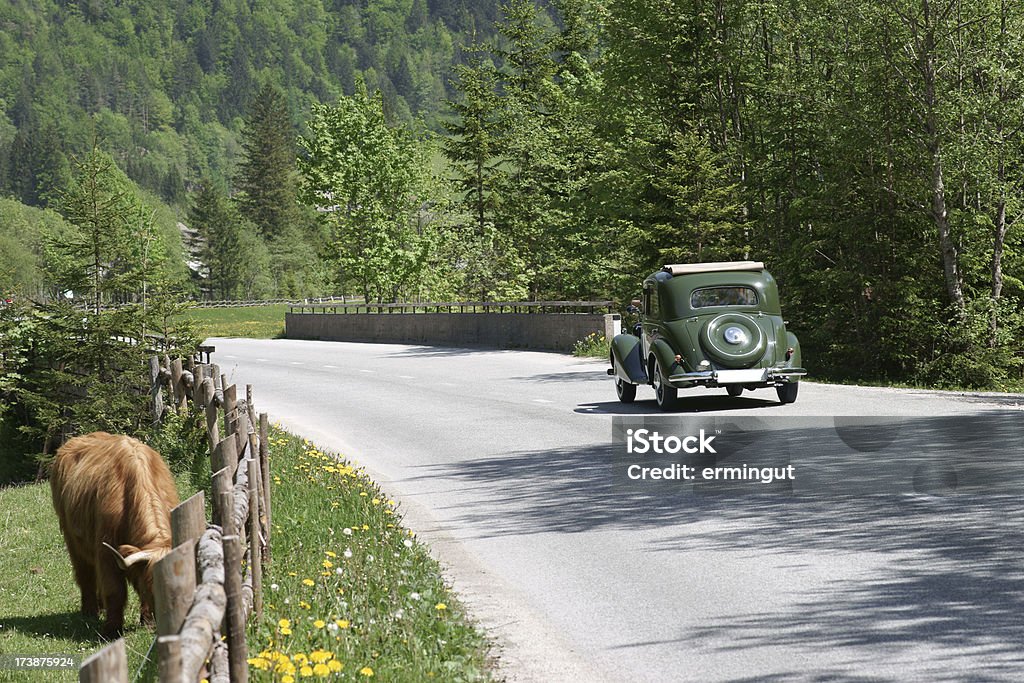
[114,490]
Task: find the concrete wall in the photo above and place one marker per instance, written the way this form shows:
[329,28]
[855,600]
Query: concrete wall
[551,331]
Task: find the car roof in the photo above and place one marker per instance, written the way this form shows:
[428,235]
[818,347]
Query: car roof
[719,266]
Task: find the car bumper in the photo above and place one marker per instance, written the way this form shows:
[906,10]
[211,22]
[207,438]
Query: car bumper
[721,378]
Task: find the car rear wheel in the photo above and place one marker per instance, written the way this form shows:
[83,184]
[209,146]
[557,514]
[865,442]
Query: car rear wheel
[666,395]
[787,391]
[734,389]
[625,391]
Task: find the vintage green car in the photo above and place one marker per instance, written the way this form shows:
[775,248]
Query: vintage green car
[710,325]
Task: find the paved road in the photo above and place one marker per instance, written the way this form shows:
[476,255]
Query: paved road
[504,461]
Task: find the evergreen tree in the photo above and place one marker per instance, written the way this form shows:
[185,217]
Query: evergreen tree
[266,174]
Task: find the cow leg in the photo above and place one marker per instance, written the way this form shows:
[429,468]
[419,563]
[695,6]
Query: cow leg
[115,595]
[85,577]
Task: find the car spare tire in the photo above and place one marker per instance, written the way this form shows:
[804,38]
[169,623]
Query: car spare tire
[733,339]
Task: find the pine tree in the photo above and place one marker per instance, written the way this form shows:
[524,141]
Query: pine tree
[266,176]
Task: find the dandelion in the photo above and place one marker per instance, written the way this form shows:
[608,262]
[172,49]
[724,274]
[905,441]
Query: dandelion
[407,543]
[339,571]
[375,501]
[347,554]
[320,656]
[274,586]
[399,613]
[308,582]
[306,670]
[287,679]
[330,553]
[347,531]
[284,623]
[366,671]
[414,595]
[335,665]
[305,605]
[440,607]
[341,623]
[328,564]
[366,527]
[286,631]
[319,623]
[321,670]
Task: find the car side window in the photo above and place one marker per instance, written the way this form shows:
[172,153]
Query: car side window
[652,306]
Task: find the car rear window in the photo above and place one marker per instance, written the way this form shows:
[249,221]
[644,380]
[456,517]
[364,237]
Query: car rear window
[723,296]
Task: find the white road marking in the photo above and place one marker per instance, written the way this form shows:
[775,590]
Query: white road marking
[331,367]
[447,384]
[261,360]
[367,371]
[406,377]
[297,362]
[542,400]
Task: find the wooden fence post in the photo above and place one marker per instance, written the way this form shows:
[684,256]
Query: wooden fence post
[188,520]
[265,472]
[230,409]
[221,483]
[174,585]
[109,665]
[255,547]
[154,389]
[168,652]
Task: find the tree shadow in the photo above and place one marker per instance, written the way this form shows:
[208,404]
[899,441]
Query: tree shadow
[932,504]
[64,625]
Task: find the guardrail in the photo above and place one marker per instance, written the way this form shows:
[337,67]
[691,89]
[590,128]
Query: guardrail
[189,613]
[458,307]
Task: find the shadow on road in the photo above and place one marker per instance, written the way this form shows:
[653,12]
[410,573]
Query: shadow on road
[690,404]
[954,568]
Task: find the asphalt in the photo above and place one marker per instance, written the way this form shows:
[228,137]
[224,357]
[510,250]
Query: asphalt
[505,462]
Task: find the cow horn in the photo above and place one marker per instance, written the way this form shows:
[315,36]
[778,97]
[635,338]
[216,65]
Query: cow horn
[125,562]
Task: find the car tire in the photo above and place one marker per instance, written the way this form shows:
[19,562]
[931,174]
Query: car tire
[734,389]
[787,391]
[667,396]
[625,391]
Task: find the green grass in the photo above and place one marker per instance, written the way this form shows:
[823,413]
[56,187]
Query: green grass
[39,600]
[348,584]
[254,322]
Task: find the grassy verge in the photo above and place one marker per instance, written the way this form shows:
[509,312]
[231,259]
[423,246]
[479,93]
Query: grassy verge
[39,600]
[254,322]
[351,594]
[592,346]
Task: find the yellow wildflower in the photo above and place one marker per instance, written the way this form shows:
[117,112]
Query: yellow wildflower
[308,582]
[440,607]
[366,671]
[341,623]
[319,623]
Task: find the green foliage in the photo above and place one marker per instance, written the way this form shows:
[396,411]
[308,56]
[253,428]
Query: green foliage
[164,86]
[367,179]
[80,357]
[592,346]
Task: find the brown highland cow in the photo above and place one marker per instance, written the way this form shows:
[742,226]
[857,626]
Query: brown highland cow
[113,495]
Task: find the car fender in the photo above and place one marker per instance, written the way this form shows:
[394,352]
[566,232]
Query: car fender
[626,361]
[666,358]
[795,360]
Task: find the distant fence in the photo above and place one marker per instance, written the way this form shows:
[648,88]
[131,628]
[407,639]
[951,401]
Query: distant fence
[549,325]
[200,584]
[229,303]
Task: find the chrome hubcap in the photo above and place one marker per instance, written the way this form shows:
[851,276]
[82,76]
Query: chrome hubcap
[735,336]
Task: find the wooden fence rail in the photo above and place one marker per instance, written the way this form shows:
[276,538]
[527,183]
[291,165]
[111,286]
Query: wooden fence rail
[212,579]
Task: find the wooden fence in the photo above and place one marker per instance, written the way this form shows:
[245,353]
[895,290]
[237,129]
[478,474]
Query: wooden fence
[211,581]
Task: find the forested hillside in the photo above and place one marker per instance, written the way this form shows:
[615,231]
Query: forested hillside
[871,153]
[165,86]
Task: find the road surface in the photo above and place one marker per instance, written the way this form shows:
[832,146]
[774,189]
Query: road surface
[503,461]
